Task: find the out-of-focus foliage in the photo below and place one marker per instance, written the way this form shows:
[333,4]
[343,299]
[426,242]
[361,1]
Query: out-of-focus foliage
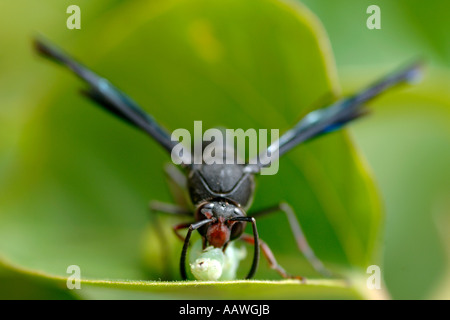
[409,29]
[75,181]
[79,181]
[407,138]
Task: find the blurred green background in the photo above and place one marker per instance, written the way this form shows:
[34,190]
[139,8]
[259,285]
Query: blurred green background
[75,182]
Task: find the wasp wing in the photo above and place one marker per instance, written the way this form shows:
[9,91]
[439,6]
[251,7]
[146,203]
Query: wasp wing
[107,96]
[333,117]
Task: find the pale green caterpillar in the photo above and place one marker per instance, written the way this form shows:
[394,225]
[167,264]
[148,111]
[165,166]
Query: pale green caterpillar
[212,264]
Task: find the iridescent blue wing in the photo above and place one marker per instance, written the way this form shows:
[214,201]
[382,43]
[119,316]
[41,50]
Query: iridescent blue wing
[333,117]
[109,97]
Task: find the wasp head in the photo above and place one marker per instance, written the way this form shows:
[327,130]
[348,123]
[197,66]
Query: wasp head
[223,228]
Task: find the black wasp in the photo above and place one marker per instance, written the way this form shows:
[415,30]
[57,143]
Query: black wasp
[221,193]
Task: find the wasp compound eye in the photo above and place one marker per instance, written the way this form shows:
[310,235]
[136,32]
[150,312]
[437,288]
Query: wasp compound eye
[237,229]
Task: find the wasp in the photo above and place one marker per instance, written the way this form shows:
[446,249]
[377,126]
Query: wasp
[221,194]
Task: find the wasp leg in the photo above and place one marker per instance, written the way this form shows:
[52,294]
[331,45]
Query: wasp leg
[180,226]
[168,209]
[176,175]
[177,183]
[299,236]
[156,208]
[270,258]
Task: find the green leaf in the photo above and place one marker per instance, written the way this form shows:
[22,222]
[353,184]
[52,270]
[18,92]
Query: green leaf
[412,166]
[80,180]
[409,29]
[132,289]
